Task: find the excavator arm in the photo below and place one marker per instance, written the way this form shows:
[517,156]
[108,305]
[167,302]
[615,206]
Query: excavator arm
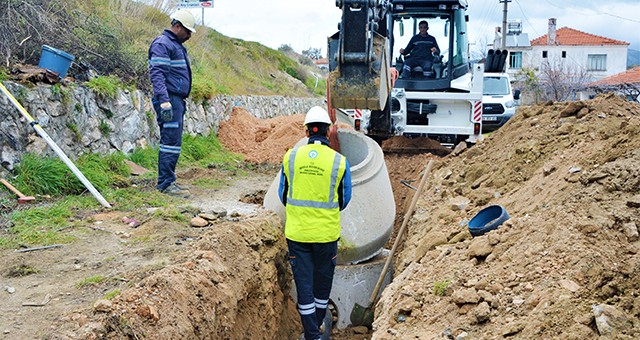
[359,56]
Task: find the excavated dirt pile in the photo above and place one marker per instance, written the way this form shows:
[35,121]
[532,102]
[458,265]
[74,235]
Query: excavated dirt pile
[260,140]
[229,285]
[566,265]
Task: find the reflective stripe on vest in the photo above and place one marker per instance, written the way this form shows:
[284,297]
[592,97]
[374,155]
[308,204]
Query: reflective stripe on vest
[329,204]
[313,213]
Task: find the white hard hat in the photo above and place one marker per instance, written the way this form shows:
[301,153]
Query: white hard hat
[186,19]
[317,115]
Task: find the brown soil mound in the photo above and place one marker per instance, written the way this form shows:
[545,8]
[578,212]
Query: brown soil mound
[230,286]
[399,144]
[568,176]
[260,141]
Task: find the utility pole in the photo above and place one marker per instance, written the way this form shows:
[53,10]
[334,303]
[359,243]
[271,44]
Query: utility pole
[504,23]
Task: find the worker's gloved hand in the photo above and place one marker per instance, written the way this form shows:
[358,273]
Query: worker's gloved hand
[166,112]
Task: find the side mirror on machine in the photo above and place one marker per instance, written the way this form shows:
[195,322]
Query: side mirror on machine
[516,94]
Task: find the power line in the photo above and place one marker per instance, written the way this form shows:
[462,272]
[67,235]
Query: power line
[485,16]
[527,19]
[594,11]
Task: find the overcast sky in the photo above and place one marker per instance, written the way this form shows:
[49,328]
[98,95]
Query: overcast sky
[307,23]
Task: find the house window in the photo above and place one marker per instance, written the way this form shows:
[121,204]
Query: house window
[564,54]
[597,62]
[544,54]
[515,60]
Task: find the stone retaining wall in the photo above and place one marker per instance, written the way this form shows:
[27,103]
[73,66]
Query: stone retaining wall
[80,121]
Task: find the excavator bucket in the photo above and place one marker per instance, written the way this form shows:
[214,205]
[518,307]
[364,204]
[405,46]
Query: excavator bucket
[363,85]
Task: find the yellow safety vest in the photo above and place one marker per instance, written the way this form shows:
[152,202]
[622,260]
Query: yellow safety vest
[313,173]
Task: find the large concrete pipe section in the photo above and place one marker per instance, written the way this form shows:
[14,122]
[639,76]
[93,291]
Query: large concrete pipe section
[367,222]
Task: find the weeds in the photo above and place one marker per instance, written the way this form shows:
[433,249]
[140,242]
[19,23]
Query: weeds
[50,176]
[440,287]
[104,128]
[75,131]
[209,183]
[92,281]
[111,294]
[145,157]
[37,226]
[204,151]
[46,224]
[22,270]
[106,86]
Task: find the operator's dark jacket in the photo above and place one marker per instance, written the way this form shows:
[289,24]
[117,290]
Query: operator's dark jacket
[420,47]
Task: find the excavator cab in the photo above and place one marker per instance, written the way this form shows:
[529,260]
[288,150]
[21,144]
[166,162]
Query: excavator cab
[435,96]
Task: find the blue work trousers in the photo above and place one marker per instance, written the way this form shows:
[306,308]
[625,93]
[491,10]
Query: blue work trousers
[170,141]
[313,265]
[411,63]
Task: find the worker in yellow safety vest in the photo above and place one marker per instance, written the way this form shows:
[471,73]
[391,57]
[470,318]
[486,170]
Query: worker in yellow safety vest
[315,185]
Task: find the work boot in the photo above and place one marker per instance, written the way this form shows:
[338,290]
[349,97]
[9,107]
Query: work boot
[182,186]
[303,338]
[176,191]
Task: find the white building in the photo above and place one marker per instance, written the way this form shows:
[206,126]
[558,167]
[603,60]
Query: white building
[599,56]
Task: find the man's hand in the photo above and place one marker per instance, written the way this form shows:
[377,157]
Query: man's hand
[402,51]
[166,112]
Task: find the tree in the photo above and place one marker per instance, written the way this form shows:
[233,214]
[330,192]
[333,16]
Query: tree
[312,53]
[561,81]
[286,48]
[527,81]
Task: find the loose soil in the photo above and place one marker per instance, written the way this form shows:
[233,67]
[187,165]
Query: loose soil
[567,174]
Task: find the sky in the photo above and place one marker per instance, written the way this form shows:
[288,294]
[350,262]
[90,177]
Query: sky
[302,24]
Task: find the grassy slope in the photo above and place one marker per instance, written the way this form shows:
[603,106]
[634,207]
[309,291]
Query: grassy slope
[113,36]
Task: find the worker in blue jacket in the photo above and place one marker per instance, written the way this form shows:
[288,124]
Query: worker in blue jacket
[170,73]
[315,185]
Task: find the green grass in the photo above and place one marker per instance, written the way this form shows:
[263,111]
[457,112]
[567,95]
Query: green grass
[21,270]
[75,131]
[104,128]
[106,86]
[205,151]
[440,287]
[209,183]
[111,294]
[48,224]
[51,176]
[172,214]
[145,157]
[92,281]
[113,36]
[37,226]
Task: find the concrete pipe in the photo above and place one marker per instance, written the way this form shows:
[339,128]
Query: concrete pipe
[367,223]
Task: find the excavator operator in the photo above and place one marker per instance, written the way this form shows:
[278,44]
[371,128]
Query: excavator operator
[422,48]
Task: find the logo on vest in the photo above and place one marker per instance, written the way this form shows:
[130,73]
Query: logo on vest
[313,154]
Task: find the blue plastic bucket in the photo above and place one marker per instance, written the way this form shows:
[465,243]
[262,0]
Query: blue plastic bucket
[488,219]
[55,60]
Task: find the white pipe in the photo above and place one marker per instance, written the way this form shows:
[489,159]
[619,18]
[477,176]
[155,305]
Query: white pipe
[55,148]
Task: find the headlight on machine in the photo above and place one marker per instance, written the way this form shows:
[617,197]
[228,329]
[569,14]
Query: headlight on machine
[509,104]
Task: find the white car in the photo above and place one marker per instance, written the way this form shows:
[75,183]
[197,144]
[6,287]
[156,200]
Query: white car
[498,101]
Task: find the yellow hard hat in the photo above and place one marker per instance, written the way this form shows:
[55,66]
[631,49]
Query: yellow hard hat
[317,114]
[186,19]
